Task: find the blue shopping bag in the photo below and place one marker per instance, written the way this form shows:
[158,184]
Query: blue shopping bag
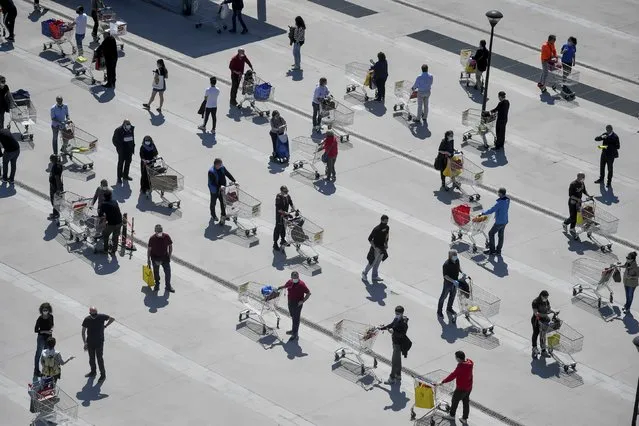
[263,91]
[46,27]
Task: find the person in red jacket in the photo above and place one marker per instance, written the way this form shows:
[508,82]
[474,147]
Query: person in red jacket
[463,376]
[329,145]
[237,71]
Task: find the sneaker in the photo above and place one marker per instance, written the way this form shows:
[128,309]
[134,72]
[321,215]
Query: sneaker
[463,420]
[600,180]
[102,378]
[284,243]
[440,315]
[202,127]
[129,178]
[608,185]
[170,289]
[90,374]
[545,353]
[364,276]
[4,179]
[289,332]
[489,252]
[376,278]
[390,381]
[119,181]
[159,110]
[214,218]
[565,226]
[294,337]
[146,106]
[451,311]
[276,247]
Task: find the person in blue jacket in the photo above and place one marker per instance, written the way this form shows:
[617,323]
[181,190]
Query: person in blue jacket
[217,181]
[501,220]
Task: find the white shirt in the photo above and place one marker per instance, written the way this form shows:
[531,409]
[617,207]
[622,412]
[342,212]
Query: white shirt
[212,94]
[320,93]
[81,24]
[423,83]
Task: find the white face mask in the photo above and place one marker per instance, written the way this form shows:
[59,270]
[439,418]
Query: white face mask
[398,316]
[454,258]
[449,138]
[295,280]
[159,234]
[104,188]
[127,127]
[147,143]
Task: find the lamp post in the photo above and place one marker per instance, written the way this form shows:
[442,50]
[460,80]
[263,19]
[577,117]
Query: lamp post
[494,16]
[636,410]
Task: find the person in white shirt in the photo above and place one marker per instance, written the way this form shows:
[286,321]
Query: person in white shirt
[321,93]
[80,28]
[422,85]
[210,97]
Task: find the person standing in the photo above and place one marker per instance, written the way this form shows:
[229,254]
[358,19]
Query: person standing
[278,128]
[211,94]
[378,251]
[398,328]
[423,85]
[148,153]
[10,12]
[568,56]
[575,191]
[93,338]
[380,75]
[445,152]
[80,28]
[481,63]
[108,49]
[10,155]
[548,57]
[237,71]
[99,193]
[319,95]
[110,210]
[59,117]
[5,100]
[283,207]
[51,360]
[237,6]
[55,183]
[297,40]
[463,376]
[159,254]
[298,294]
[502,119]
[217,181]
[95,6]
[451,271]
[610,146]
[160,74]
[330,147]
[43,328]
[501,220]
[630,279]
[541,311]
[124,141]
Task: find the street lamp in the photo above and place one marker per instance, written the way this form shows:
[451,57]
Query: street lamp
[636,411]
[494,16]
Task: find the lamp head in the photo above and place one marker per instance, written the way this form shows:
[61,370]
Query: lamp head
[494,16]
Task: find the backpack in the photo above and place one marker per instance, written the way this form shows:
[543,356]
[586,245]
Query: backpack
[51,364]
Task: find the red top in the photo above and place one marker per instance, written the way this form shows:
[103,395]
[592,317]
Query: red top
[237,63]
[463,376]
[159,246]
[330,146]
[296,291]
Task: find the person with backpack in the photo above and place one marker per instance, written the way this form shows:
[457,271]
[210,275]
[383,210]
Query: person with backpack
[330,147]
[124,142]
[51,361]
[160,74]
[463,376]
[401,344]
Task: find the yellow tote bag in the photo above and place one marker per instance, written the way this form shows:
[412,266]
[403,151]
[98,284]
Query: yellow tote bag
[580,218]
[367,79]
[424,396]
[147,275]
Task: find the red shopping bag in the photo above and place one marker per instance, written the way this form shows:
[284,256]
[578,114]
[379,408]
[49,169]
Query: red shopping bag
[461,214]
[57,29]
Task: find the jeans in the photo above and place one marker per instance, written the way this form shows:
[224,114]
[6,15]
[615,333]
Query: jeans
[478,75]
[235,84]
[572,211]
[214,197]
[396,362]
[544,73]
[78,42]
[330,167]
[54,141]
[297,54]
[94,16]
[10,19]
[213,113]
[124,164]
[380,84]
[379,254]
[112,231]
[295,310]
[166,266]
[630,294]
[448,290]
[422,104]
[41,342]
[9,158]
[96,350]
[538,332]
[280,231]
[500,134]
[605,161]
[237,15]
[499,230]
[317,119]
[464,397]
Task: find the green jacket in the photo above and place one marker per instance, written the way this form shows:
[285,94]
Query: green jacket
[631,274]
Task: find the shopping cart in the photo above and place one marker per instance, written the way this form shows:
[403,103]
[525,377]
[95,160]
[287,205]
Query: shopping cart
[77,215]
[334,113]
[469,223]
[596,223]
[463,171]
[361,77]
[50,403]
[306,153]
[86,68]
[240,208]
[406,99]
[477,305]
[23,113]
[592,276]
[254,89]
[561,78]
[358,339]
[303,235]
[218,21]
[562,341]
[428,397]
[469,66]
[108,21]
[165,180]
[480,123]
[260,300]
[77,144]
[57,32]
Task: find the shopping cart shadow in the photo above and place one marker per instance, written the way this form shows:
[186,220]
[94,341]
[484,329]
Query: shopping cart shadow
[162,208]
[298,263]
[581,246]
[36,14]
[6,46]
[452,331]
[153,300]
[121,193]
[156,119]
[253,331]
[472,93]
[607,311]
[553,371]
[91,391]
[275,168]
[446,197]
[324,186]
[351,372]
[631,323]
[214,231]
[376,290]
[51,231]
[549,98]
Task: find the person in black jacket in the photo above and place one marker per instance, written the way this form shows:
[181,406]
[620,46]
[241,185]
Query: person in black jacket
[609,151]
[55,183]
[217,182]
[451,271]
[148,153]
[377,252]
[541,314]
[9,12]
[44,329]
[444,153]
[110,211]
[108,49]
[481,61]
[5,105]
[10,154]
[502,118]
[283,207]
[237,6]
[575,191]
[380,75]
[398,328]
[124,142]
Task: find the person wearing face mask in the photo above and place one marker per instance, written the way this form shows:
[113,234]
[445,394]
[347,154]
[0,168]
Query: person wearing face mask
[398,328]
[283,207]
[93,338]
[609,151]
[501,110]
[159,254]
[378,251]
[444,153]
[56,185]
[124,142]
[237,71]
[217,181]
[451,271]
[109,211]
[59,117]
[148,153]
[501,220]
[298,294]
[541,314]
[575,191]
[44,329]
[630,279]
[463,377]
[99,193]
[5,101]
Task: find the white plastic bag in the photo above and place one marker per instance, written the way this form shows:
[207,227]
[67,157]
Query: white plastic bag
[283,138]
[225,12]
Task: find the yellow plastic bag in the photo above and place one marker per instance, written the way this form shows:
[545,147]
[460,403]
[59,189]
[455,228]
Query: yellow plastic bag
[457,163]
[424,396]
[147,275]
[367,79]
[447,169]
[580,218]
[553,341]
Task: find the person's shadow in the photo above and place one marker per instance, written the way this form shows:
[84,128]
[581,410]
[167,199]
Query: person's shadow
[376,291]
[51,231]
[631,323]
[325,187]
[121,192]
[500,268]
[7,190]
[296,75]
[398,397]
[494,158]
[105,264]
[607,196]
[90,392]
[102,94]
[153,300]
[293,349]
[208,139]
[419,130]
[156,119]
[450,331]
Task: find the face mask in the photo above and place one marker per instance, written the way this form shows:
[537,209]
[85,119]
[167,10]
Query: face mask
[398,316]
[147,143]
[45,313]
[127,127]
[295,280]
[449,138]
[93,315]
[159,234]
[543,299]
[454,258]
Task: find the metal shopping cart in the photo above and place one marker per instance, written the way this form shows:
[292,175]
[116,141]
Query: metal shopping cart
[23,113]
[477,305]
[218,21]
[469,223]
[361,77]
[240,208]
[469,66]
[77,144]
[254,89]
[480,123]
[428,398]
[50,403]
[463,171]
[406,99]
[303,235]
[596,223]
[165,180]
[108,21]
[77,215]
[561,79]
[57,32]
[358,339]
[562,342]
[86,68]
[260,300]
[334,113]
[592,276]
[306,153]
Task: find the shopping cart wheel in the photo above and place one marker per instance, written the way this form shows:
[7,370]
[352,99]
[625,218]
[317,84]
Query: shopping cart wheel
[31,138]
[432,422]
[459,235]
[362,370]
[254,231]
[366,98]
[609,245]
[395,107]
[84,167]
[566,368]
[474,248]
[316,258]
[574,292]
[268,113]
[611,298]
[317,175]
[574,366]
[412,415]
[409,117]
[599,303]
[343,353]
[309,260]
[374,362]
[452,237]
[178,204]
[253,104]
[247,233]
[170,205]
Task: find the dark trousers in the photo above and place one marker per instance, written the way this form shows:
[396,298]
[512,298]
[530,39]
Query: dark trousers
[630,294]
[110,71]
[606,161]
[449,290]
[317,120]
[280,231]
[441,175]
[166,266]
[380,83]
[145,185]
[41,342]
[330,167]
[2,119]
[464,397]
[94,16]
[396,362]
[237,15]
[9,158]
[213,113]
[96,350]
[500,133]
[10,19]
[499,230]
[53,189]
[124,164]
[572,211]
[235,84]
[295,310]
[112,231]
[214,197]
[274,140]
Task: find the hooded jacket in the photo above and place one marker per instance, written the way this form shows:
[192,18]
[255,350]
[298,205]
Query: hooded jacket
[500,209]
[463,376]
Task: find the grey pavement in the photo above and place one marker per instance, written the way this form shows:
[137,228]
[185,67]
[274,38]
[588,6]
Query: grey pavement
[183,359]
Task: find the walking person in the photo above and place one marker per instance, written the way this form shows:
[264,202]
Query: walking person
[502,108]
[108,49]
[55,183]
[5,100]
[278,128]
[43,328]
[10,155]
[59,117]
[445,152]
[211,94]
[568,56]
[93,338]
[51,360]
[451,271]
[330,147]
[159,254]
[110,210]
[320,94]
[423,84]
[10,12]
[237,71]
[501,220]
[398,328]
[541,316]
[630,279]
[378,251]
[124,142]
[481,63]
[298,33]
[548,58]
[380,75]
[610,146]
[99,193]
[158,85]
[80,25]
[217,181]
[298,294]
[148,154]
[463,376]
[95,6]
[237,6]
[576,190]
[283,208]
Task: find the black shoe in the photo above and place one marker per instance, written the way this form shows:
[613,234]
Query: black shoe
[11,38]
[119,181]
[214,218]
[284,243]
[451,311]
[170,289]
[440,315]
[497,253]
[289,332]
[129,178]
[600,180]
[102,378]
[294,337]
[90,374]
[489,252]
[276,247]
[232,31]
[156,287]
[146,106]
[608,185]
[244,31]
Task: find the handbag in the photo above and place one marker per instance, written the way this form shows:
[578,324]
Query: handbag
[158,81]
[147,275]
[424,396]
[325,158]
[439,162]
[616,276]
